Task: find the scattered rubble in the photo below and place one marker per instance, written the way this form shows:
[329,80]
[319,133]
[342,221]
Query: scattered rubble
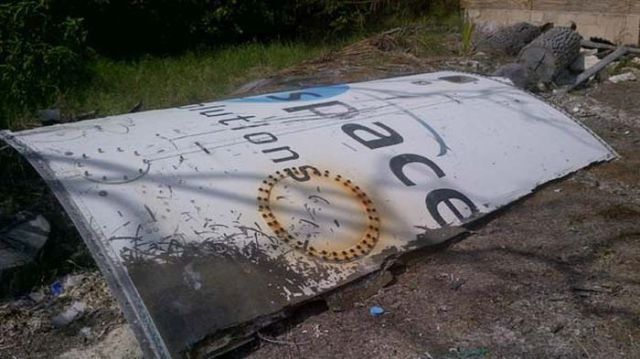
[590,61]
[119,343]
[626,76]
[73,312]
[83,314]
[554,58]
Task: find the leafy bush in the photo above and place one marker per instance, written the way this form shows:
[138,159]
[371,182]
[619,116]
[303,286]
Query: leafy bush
[44,43]
[125,28]
[338,17]
[129,28]
[39,55]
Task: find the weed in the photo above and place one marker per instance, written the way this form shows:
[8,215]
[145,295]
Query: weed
[468,27]
[171,81]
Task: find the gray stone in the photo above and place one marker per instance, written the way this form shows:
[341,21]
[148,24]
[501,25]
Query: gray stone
[627,76]
[590,60]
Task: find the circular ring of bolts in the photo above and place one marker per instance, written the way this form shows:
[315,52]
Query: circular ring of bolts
[364,244]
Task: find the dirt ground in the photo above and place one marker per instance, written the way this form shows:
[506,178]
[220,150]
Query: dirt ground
[554,275]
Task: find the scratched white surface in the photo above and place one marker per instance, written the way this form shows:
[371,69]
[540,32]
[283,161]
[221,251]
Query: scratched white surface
[157,183]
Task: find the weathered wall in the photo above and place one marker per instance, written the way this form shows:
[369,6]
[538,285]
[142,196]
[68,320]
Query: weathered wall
[616,20]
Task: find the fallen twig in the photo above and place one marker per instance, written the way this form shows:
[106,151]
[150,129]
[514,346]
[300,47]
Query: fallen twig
[583,349]
[392,31]
[598,45]
[7,346]
[598,67]
[280,342]
[594,290]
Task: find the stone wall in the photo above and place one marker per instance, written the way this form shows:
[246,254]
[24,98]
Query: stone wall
[615,20]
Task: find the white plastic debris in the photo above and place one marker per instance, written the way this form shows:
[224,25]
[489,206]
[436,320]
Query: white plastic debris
[37,297]
[73,312]
[72,280]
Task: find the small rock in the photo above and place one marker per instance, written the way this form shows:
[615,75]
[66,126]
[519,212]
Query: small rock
[73,312]
[50,116]
[37,297]
[542,86]
[86,332]
[627,76]
[474,65]
[72,280]
[636,61]
[633,70]
[590,61]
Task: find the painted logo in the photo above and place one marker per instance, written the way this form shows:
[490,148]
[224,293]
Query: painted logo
[309,94]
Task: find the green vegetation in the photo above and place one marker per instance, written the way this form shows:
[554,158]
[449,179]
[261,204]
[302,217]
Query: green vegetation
[38,56]
[179,80]
[106,56]
[130,28]
[467,36]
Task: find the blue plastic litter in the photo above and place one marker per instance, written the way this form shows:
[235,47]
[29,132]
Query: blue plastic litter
[376,311]
[56,288]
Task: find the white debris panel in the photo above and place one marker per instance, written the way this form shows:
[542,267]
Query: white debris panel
[207,216]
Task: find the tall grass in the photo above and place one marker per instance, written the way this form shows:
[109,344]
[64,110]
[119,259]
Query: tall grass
[467,31]
[178,80]
[193,77]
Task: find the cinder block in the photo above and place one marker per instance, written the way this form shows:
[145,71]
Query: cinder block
[537,17]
